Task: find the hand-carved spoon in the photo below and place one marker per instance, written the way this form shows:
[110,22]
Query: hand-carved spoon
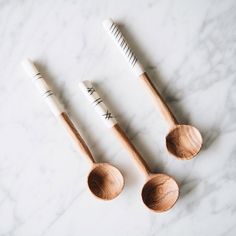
[160,192]
[183,141]
[105,181]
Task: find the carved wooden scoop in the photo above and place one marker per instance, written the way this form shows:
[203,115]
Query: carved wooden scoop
[183,141]
[105,181]
[160,192]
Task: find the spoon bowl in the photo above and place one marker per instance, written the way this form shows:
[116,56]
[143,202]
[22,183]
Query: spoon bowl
[105,181]
[187,136]
[160,192]
[184,141]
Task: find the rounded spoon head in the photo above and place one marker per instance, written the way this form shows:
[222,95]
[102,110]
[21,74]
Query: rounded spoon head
[105,181]
[160,192]
[184,141]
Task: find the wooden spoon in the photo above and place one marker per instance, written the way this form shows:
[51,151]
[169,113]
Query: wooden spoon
[160,192]
[104,180]
[183,141]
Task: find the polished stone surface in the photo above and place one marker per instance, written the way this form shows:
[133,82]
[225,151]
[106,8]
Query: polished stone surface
[188,49]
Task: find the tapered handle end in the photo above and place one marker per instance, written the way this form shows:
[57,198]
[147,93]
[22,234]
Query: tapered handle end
[113,30]
[29,67]
[107,23]
[42,87]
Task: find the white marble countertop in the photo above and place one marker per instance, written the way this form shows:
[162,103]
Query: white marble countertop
[188,49]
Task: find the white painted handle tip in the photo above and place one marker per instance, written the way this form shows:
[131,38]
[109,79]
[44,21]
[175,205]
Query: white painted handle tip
[29,67]
[113,30]
[84,84]
[107,23]
[42,87]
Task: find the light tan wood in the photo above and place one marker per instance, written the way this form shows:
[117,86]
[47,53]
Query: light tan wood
[105,181]
[165,110]
[73,132]
[142,165]
[160,191]
[183,141]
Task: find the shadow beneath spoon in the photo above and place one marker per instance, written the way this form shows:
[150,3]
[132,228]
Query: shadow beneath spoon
[58,88]
[210,137]
[130,132]
[168,92]
[187,188]
[60,91]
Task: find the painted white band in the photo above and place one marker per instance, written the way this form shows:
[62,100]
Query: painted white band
[124,47]
[54,105]
[90,93]
[43,87]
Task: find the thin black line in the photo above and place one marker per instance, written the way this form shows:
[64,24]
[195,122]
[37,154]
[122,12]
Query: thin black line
[119,38]
[37,74]
[91,90]
[134,61]
[113,29]
[133,56]
[51,93]
[125,45]
[48,93]
[127,50]
[117,33]
[40,77]
[97,101]
[122,42]
[112,25]
[108,115]
[130,55]
[114,33]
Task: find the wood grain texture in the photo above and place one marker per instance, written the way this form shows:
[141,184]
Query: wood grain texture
[165,110]
[160,192]
[142,165]
[105,181]
[184,141]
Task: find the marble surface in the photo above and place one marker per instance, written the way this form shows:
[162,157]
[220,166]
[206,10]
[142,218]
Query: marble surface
[188,48]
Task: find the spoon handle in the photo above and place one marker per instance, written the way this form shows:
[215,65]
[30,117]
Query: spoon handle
[137,68]
[56,108]
[165,110]
[142,165]
[89,91]
[93,97]
[118,38]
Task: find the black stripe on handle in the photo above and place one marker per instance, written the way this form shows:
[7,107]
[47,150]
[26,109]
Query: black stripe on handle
[123,44]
